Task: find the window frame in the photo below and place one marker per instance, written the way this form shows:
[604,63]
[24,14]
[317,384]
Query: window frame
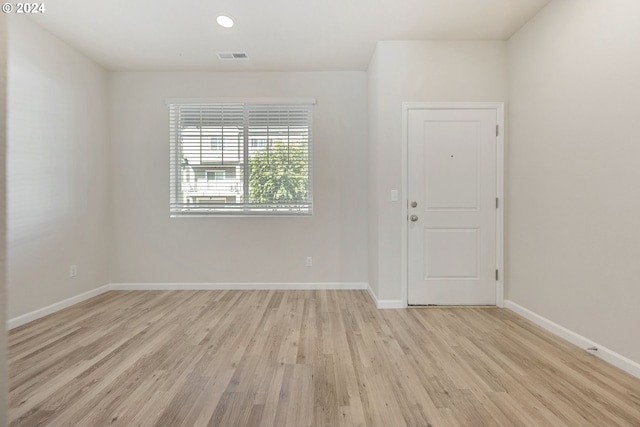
[232,209]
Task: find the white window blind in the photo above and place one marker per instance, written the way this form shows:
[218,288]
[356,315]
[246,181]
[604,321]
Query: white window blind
[260,154]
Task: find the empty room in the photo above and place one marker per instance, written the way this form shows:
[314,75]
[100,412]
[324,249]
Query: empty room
[319,213]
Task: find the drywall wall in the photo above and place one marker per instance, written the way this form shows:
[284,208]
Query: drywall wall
[574,198]
[372,163]
[57,170]
[150,247]
[3,214]
[429,71]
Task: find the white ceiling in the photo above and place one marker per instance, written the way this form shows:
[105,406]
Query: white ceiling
[278,35]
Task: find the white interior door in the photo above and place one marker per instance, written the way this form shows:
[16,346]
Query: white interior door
[452,170]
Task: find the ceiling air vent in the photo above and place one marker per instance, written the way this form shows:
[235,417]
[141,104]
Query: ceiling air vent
[232,55]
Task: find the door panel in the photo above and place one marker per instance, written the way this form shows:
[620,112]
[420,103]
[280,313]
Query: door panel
[451,253]
[452,180]
[451,162]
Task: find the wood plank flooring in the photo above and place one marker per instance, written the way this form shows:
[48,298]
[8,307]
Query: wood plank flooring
[302,358]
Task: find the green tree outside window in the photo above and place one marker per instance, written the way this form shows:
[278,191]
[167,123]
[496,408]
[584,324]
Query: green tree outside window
[279,174]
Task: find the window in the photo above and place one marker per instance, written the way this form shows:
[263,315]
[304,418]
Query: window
[240,158]
[216,142]
[258,142]
[215,175]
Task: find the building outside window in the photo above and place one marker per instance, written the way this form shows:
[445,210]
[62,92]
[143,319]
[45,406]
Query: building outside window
[240,159]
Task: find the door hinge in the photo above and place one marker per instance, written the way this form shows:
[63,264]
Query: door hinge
[497,276]
[497,130]
[497,203]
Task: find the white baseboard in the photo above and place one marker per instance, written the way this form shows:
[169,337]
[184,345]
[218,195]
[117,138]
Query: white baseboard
[372,294]
[390,303]
[604,353]
[235,286]
[384,303]
[45,311]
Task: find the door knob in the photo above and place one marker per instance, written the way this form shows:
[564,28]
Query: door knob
[413,218]
[414,204]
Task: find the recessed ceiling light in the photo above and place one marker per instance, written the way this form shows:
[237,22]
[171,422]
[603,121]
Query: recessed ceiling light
[224,21]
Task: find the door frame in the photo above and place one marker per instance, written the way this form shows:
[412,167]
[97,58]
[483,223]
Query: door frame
[498,107]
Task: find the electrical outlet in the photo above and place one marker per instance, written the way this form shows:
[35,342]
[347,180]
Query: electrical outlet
[73,271]
[309,262]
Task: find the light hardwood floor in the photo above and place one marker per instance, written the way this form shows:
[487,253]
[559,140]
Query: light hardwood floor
[302,358]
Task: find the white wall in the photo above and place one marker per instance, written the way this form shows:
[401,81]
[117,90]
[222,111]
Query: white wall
[57,170]
[574,193]
[429,71]
[151,247]
[372,190]
[3,237]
